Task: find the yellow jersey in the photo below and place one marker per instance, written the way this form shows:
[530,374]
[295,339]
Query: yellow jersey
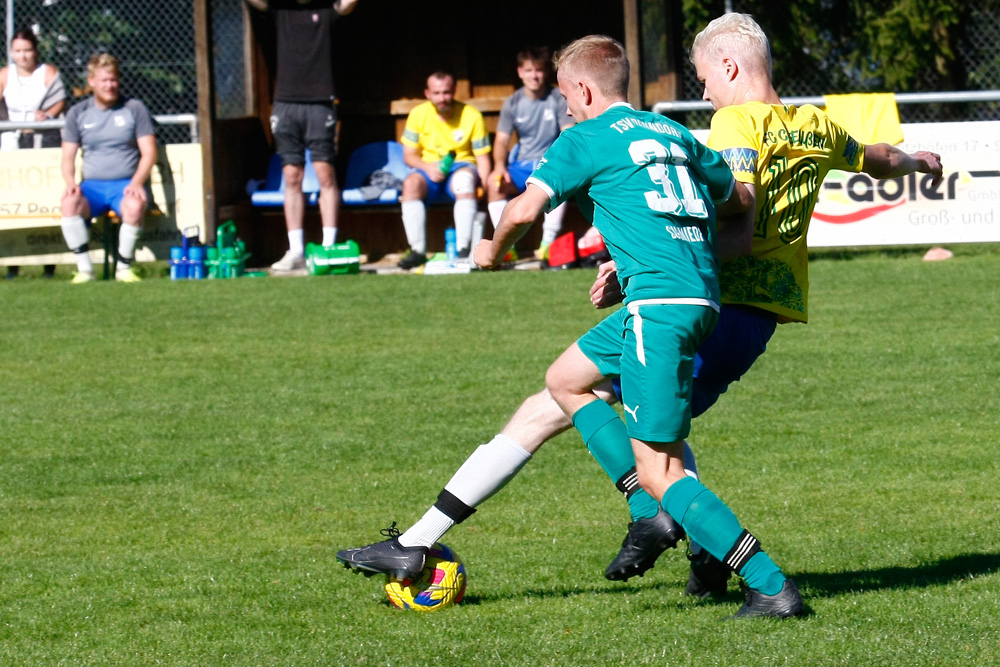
[464,132]
[785,152]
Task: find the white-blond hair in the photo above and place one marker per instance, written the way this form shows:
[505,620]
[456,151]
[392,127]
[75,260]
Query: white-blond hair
[735,33]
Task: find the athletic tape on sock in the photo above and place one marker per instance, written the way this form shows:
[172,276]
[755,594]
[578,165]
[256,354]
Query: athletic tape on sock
[452,507]
[628,483]
[746,546]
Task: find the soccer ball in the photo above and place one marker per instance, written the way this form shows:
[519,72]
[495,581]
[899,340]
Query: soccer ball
[441,583]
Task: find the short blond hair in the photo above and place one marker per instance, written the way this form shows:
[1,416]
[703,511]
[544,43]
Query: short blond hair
[102,61]
[601,57]
[737,33]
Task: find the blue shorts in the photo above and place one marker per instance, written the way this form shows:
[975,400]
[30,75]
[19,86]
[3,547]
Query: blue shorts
[652,347]
[442,191]
[519,172]
[104,196]
[739,337]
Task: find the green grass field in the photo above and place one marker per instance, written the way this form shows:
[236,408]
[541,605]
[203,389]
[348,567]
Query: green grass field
[179,462]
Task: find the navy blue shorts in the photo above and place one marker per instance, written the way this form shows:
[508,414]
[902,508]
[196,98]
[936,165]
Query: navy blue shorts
[439,191]
[739,337]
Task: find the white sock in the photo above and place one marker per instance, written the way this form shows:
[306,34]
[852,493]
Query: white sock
[84,263]
[297,241]
[465,215]
[127,238]
[496,210]
[74,230]
[329,236]
[552,224]
[486,471]
[691,470]
[415,223]
[477,228]
[429,529]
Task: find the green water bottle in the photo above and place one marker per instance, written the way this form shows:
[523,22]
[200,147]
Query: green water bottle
[445,164]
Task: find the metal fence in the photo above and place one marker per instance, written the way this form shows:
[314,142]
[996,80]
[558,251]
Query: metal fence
[155,43]
[153,40]
[978,55]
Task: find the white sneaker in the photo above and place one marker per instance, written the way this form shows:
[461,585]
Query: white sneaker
[82,277]
[127,275]
[290,262]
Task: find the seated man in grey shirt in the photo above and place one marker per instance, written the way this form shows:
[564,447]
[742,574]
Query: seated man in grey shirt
[118,139]
[536,112]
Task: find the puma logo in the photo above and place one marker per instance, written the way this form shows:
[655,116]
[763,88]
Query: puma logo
[631,411]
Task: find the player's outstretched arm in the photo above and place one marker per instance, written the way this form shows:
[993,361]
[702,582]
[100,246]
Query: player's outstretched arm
[518,216]
[885,161]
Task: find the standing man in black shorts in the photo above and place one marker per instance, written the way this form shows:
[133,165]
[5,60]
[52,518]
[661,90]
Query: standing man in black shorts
[304,115]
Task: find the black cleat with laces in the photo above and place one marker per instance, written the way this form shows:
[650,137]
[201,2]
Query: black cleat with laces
[646,540]
[386,557]
[709,576]
[786,603]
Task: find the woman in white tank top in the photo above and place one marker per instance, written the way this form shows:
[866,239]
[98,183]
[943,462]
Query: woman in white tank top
[30,91]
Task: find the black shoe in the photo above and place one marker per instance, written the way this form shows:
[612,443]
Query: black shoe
[646,540]
[709,576]
[388,557]
[785,604]
[412,260]
[463,254]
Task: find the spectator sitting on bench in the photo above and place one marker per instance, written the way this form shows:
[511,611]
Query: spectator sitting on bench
[438,131]
[118,139]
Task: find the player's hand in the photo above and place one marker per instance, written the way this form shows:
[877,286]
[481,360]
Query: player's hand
[606,290]
[71,190]
[435,174]
[482,254]
[136,191]
[931,164]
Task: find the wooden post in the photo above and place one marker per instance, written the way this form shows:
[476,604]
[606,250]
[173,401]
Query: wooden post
[633,48]
[205,71]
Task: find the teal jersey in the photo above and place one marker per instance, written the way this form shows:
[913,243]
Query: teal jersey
[653,189]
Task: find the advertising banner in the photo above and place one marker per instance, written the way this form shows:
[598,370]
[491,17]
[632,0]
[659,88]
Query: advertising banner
[857,210]
[31,189]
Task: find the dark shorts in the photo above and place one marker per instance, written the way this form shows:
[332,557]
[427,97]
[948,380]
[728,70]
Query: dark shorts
[739,337]
[297,126]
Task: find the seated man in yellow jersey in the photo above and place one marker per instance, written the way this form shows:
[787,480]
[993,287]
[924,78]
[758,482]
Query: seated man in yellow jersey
[442,140]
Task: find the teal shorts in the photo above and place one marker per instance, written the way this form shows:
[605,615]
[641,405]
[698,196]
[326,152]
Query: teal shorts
[652,347]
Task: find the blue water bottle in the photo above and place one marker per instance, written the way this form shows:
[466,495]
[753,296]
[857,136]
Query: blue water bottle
[450,249]
[196,262]
[178,264]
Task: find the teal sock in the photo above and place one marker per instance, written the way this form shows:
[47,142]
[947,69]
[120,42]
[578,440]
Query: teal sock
[604,434]
[761,569]
[709,522]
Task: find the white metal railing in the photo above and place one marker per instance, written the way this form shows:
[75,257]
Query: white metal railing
[189,119]
[901,98]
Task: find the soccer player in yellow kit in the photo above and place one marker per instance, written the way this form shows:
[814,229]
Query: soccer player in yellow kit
[783,153]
